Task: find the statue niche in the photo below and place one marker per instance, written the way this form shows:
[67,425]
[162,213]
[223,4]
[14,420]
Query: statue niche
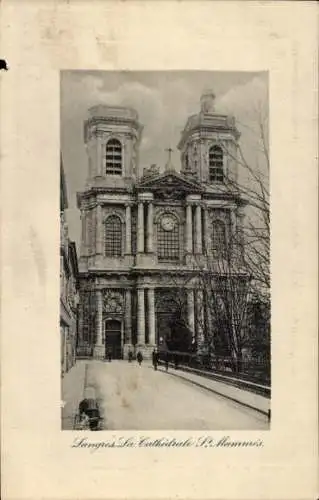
[113,302]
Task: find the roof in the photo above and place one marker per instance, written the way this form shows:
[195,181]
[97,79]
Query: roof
[169,180]
[63,189]
[211,122]
[115,115]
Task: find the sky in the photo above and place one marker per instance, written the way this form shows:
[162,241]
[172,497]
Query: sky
[163,100]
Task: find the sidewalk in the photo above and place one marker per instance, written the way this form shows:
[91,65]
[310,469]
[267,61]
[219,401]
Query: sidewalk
[246,398]
[72,392]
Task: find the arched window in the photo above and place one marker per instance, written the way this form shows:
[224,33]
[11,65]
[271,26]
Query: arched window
[168,240]
[216,171]
[113,163]
[113,236]
[186,161]
[219,239]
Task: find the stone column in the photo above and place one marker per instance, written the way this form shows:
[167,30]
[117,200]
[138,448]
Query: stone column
[140,227]
[151,316]
[189,229]
[206,230]
[198,232]
[190,310]
[128,229]
[200,317]
[99,348]
[150,227]
[99,230]
[140,317]
[128,317]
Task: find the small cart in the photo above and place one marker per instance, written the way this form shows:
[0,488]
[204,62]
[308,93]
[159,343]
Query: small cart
[88,416]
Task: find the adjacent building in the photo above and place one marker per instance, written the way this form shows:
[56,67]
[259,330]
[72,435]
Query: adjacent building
[147,234]
[69,297]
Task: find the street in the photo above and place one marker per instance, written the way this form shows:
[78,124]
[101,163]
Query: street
[134,397]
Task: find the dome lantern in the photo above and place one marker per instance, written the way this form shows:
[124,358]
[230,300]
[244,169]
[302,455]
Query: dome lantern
[207,102]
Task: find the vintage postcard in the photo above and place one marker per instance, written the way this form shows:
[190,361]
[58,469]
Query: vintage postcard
[166,281]
[158,165]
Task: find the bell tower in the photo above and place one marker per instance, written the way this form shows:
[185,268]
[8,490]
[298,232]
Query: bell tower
[208,144]
[112,136]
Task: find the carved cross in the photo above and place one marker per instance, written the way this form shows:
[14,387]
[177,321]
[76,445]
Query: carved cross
[170,151]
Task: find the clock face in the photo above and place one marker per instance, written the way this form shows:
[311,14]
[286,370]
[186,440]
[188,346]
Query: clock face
[168,223]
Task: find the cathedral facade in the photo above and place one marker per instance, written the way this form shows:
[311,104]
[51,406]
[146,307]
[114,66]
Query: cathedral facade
[145,235]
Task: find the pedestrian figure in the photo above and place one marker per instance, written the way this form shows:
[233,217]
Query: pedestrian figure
[166,361]
[155,358]
[110,355]
[89,414]
[130,356]
[84,421]
[176,361]
[139,358]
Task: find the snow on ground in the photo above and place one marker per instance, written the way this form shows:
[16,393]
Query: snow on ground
[139,398]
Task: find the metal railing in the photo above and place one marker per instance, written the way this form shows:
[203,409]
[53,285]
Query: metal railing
[253,368]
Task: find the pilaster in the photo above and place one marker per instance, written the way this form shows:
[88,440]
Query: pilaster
[128,317]
[99,348]
[205,230]
[128,229]
[100,162]
[200,317]
[150,225]
[151,315]
[189,229]
[140,317]
[99,230]
[198,229]
[140,227]
[190,309]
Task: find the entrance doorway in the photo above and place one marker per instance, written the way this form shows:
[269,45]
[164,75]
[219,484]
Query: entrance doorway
[113,334]
[171,310]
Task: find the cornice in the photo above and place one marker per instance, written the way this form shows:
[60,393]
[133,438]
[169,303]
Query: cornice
[206,132]
[91,198]
[91,281]
[94,192]
[92,125]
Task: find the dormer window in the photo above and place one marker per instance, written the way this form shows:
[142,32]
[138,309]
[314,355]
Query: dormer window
[113,157]
[216,170]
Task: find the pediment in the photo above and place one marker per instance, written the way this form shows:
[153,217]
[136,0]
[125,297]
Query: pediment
[170,184]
